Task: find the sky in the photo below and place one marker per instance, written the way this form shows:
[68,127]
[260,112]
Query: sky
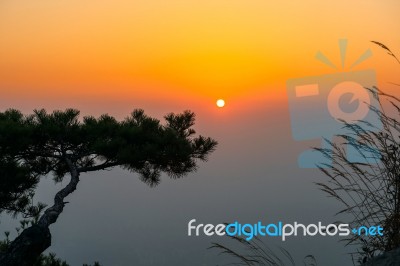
[168,56]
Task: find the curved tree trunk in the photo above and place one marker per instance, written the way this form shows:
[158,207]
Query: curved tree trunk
[27,247]
[34,240]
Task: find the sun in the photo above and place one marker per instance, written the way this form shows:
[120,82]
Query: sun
[220,103]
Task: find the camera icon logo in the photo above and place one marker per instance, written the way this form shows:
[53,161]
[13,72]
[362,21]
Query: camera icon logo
[319,104]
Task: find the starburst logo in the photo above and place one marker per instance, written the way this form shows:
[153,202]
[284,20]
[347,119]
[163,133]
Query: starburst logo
[343,51]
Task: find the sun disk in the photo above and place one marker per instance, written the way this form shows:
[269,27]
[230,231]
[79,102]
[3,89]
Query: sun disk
[220,103]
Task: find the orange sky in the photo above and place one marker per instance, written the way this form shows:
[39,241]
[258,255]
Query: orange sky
[198,51]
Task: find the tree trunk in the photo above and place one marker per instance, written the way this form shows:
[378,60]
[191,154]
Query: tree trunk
[34,240]
[27,247]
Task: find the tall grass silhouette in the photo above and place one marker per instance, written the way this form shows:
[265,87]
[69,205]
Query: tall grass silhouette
[369,192]
[256,252]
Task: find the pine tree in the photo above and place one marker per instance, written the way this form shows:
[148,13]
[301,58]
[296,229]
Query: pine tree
[59,143]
